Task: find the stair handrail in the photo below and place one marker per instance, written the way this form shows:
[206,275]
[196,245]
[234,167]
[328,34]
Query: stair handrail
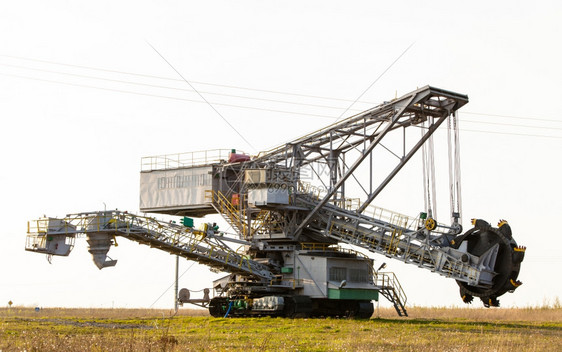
[389,280]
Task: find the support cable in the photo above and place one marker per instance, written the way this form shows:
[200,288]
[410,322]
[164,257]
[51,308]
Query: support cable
[424,172]
[308,114]
[458,165]
[375,81]
[166,290]
[252,89]
[162,96]
[451,166]
[179,80]
[202,97]
[176,89]
[432,170]
[429,173]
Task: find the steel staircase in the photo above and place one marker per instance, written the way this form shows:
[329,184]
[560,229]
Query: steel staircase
[231,214]
[391,289]
[235,216]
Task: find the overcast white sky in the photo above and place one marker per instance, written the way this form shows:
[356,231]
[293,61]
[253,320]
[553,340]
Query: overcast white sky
[72,138]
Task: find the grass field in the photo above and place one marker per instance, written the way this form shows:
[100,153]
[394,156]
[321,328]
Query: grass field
[427,329]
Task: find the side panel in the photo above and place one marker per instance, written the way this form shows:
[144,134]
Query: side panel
[175,189]
[311,272]
[355,272]
[265,196]
[353,293]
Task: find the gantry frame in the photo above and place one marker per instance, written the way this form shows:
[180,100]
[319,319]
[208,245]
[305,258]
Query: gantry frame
[364,132]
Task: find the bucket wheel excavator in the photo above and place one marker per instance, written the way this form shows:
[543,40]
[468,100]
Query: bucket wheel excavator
[298,232]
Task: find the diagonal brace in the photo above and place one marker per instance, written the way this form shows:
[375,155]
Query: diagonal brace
[402,162]
[356,164]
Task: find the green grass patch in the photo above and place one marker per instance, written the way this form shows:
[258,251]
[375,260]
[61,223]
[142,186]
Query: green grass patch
[88,332]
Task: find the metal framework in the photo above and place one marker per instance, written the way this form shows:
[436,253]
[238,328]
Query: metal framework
[427,107]
[199,245]
[280,219]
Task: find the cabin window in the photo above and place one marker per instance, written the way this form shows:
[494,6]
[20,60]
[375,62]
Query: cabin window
[358,275]
[338,273]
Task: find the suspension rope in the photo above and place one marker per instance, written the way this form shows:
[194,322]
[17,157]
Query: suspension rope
[453,148]
[450,121]
[424,171]
[457,165]
[428,152]
[432,172]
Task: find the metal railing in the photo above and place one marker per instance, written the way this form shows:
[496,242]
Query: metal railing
[39,242]
[170,237]
[389,216]
[378,213]
[390,281]
[235,214]
[327,247]
[287,283]
[230,212]
[188,159]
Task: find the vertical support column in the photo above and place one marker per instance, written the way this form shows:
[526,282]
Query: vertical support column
[331,165]
[342,172]
[176,285]
[333,161]
[370,173]
[370,156]
[296,163]
[403,141]
[248,217]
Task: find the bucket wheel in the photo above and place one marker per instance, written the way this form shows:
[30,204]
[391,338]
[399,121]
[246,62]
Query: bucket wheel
[508,262]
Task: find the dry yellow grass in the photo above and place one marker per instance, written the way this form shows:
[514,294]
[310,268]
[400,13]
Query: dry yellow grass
[99,313]
[530,314]
[427,329]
